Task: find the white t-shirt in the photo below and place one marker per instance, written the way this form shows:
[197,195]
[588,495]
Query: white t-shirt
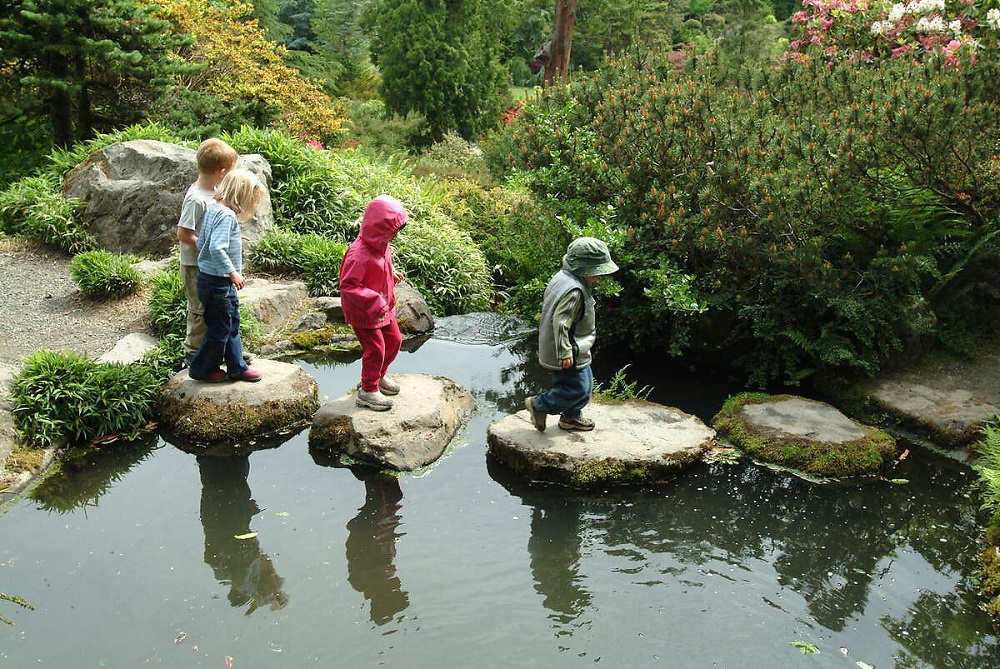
[196,201]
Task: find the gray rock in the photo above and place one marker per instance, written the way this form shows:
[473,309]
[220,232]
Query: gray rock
[634,441]
[149,268]
[425,416]
[130,348]
[805,435]
[273,302]
[412,312]
[133,192]
[331,306]
[237,412]
[313,320]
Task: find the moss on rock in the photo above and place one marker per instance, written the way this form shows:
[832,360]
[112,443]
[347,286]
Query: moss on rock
[857,457]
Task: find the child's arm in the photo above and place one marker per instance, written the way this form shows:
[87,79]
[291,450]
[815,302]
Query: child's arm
[192,210]
[567,312]
[352,286]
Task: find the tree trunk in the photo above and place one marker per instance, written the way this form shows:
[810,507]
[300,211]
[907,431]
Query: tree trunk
[59,103]
[557,68]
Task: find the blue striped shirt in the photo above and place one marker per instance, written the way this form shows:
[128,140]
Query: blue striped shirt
[220,243]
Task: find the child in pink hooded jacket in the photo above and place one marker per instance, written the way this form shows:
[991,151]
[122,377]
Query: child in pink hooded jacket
[367,279]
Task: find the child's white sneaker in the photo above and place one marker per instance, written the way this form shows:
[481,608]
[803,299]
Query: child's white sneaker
[388,385]
[375,401]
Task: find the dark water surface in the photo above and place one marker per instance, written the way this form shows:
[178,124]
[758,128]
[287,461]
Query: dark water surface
[132,559]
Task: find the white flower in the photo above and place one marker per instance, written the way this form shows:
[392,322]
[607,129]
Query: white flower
[929,25]
[896,12]
[955,27]
[881,27]
[993,18]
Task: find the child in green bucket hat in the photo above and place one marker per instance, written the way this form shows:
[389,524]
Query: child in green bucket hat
[566,333]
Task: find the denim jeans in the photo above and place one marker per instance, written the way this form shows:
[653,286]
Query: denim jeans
[222,341]
[570,392]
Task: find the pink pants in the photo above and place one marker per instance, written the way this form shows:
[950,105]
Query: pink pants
[379,348]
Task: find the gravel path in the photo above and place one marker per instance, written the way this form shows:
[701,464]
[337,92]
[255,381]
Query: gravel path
[41,307]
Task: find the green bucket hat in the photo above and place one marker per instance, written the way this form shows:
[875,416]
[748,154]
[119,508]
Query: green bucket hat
[587,256]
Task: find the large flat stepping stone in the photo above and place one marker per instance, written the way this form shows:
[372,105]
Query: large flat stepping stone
[236,412]
[424,418]
[803,434]
[634,441]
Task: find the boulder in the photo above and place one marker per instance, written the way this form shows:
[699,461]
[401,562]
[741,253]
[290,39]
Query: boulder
[805,435]
[425,416]
[196,413]
[130,348]
[332,307]
[133,193]
[273,302]
[412,312]
[635,441]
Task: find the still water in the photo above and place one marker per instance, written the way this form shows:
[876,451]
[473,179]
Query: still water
[153,556]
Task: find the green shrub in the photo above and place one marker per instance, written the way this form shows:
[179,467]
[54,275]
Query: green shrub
[373,130]
[105,274]
[168,305]
[988,467]
[789,220]
[67,397]
[312,258]
[34,208]
[453,158]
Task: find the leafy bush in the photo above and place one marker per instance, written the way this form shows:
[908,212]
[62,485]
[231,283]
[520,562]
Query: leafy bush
[788,220]
[33,207]
[313,258]
[168,305]
[375,131]
[66,396]
[988,467]
[104,274]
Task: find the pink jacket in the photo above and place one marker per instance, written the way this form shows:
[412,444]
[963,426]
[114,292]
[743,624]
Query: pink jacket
[366,274]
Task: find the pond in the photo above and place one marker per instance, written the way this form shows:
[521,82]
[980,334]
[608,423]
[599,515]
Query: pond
[153,556]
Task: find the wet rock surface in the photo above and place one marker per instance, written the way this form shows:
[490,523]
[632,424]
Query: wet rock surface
[424,418]
[633,442]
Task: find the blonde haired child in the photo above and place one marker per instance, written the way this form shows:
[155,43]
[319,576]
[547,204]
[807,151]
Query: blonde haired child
[214,159]
[220,267]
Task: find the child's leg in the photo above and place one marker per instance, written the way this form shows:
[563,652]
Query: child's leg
[372,356]
[235,365]
[393,339]
[195,329]
[213,292]
[570,391]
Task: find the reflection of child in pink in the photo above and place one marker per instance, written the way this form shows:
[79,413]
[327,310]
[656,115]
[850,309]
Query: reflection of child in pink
[367,279]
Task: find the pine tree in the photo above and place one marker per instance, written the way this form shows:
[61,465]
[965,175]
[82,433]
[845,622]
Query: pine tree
[86,65]
[440,58]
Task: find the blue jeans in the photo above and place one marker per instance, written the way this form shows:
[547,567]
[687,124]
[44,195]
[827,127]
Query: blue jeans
[222,341]
[570,392]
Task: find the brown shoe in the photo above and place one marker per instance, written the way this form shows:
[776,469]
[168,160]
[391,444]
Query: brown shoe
[537,417]
[580,424]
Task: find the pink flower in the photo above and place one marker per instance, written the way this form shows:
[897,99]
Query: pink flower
[826,23]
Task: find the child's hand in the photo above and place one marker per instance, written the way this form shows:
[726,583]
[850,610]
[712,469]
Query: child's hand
[397,276]
[237,280]
[566,363]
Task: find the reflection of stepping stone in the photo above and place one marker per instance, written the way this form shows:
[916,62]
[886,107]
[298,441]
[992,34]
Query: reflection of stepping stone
[803,434]
[424,417]
[635,441]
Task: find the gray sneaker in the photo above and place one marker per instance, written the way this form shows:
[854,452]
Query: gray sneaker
[375,401]
[388,385]
[537,417]
[580,424]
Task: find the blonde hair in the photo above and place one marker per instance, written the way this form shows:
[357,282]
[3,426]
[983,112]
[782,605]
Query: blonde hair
[214,155]
[240,190]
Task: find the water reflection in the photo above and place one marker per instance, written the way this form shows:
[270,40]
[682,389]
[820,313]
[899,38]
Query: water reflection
[371,546]
[226,510]
[84,474]
[554,545]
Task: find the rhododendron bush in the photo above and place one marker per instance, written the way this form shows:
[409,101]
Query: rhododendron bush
[869,30]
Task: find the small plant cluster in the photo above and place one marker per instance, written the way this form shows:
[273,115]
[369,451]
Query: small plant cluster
[988,468]
[620,388]
[867,30]
[313,258]
[66,397]
[34,208]
[104,274]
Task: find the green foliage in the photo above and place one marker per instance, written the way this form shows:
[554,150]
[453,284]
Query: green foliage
[67,397]
[105,274]
[86,65]
[418,45]
[14,599]
[34,208]
[452,158]
[622,389]
[988,467]
[64,159]
[794,219]
[374,130]
[167,304]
